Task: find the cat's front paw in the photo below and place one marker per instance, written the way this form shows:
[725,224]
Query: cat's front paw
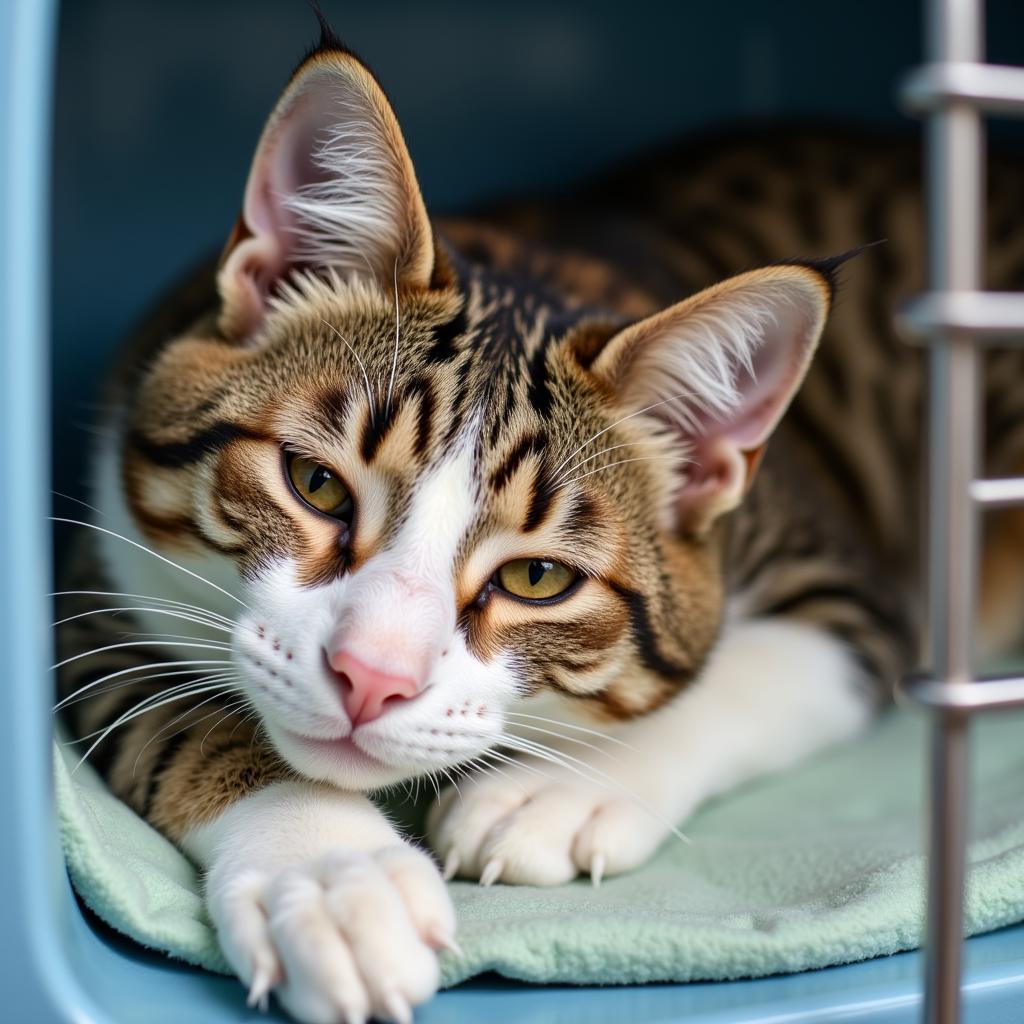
[518,830]
[341,938]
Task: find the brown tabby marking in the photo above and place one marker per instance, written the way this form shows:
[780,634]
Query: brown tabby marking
[500,319]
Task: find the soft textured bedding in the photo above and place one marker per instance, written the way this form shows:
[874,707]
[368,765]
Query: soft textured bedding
[820,865]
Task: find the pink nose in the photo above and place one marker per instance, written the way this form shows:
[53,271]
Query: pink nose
[366,691]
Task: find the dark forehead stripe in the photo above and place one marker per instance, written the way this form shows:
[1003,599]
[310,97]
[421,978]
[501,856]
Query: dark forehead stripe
[582,514]
[540,389]
[526,445]
[178,454]
[444,346]
[333,405]
[421,388]
[511,389]
[542,496]
[376,428]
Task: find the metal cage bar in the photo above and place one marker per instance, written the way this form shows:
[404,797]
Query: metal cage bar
[956,317]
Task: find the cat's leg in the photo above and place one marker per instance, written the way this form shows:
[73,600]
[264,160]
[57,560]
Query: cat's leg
[1001,591]
[773,692]
[312,891]
[1000,626]
[316,896]
[1001,597]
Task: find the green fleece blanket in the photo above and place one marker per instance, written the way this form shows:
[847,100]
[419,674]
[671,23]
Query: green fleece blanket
[820,865]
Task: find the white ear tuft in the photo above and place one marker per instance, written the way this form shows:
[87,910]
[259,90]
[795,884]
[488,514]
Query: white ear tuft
[721,369]
[331,187]
[350,215]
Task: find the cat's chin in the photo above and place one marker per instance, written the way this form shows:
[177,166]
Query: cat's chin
[340,761]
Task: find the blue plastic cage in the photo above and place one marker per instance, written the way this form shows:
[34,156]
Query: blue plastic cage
[81,258]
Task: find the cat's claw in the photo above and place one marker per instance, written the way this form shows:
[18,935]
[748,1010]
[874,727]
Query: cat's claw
[259,991]
[528,831]
[445,942]
[397,1008]
[266,974]
[342,937]
[492,872]
[452,863]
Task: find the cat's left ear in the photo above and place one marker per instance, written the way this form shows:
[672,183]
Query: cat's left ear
[720,368]
[331,186]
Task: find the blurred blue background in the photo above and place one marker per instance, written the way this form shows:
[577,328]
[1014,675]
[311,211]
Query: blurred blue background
[159,103]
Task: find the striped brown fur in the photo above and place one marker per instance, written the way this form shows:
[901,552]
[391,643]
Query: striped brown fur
[521,301]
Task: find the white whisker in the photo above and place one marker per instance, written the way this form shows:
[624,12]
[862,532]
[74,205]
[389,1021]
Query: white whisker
[178,718]
[139,643]
[621,462]
[454,784]
[158,637]
[172,612]
[432,779]
[73,697]
[146,597]
[362,366]
[245,718]
[151,703]
[150,551]
[512,762]
[228,712]
[261,727]
[611,426]
[590,458]
[570,725]
[77,501]
[78,696]
[199,685]
[567,739]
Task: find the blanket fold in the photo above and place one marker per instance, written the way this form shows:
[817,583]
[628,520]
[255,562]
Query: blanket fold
[816,866]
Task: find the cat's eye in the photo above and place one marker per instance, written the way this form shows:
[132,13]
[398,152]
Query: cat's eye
[318,487]
[535,579]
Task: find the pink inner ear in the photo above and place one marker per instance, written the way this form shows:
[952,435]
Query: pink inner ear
[715,483]
[726,449]
[779,363]
[331,187]
[286,164]
[283,164]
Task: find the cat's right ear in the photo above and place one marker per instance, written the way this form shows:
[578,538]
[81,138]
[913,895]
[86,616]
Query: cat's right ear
[331,186]
[719,370]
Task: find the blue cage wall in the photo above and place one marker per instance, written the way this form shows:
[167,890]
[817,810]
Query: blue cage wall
[142,117]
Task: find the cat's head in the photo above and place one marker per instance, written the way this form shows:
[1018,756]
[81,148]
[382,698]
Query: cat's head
[438,491]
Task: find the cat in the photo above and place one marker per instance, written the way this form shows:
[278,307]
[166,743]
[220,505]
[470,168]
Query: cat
[385,499]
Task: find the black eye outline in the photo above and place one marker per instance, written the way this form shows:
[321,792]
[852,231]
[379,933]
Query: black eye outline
[347,519]
[493,585]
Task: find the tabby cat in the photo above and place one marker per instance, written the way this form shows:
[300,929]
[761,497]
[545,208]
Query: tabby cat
[386,499]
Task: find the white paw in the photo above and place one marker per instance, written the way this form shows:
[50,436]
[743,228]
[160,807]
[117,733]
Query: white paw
[536,832]
[341,938]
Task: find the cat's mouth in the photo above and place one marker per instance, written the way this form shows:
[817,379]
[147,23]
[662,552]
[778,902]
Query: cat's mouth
[343,749]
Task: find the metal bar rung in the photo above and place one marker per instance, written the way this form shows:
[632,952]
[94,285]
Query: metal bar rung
[999,492]
[989,87]
[985,316]
[990,694]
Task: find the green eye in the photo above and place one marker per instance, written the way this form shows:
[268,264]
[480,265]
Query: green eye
[535,579]
[318,487]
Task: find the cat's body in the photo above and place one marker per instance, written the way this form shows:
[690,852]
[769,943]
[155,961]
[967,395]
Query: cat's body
[500,406]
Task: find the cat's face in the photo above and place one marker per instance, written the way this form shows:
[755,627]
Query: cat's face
[439,493]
